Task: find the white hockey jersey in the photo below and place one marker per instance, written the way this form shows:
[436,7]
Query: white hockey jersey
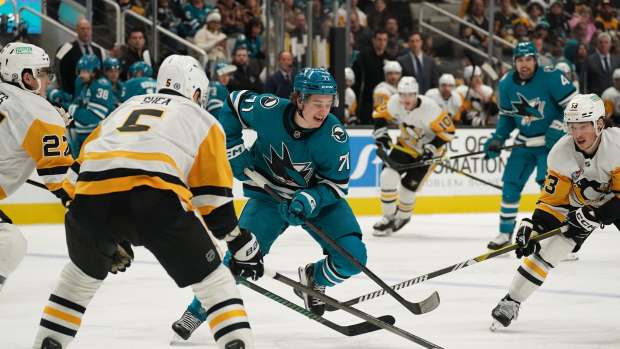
[473,106]
[420,125]
[32,136]
[382,92]
[350,103]
[611,98]
[451,105]
[162,141]
[574,180]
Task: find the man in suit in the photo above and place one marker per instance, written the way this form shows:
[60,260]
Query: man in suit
[280,83]
[601,66]
[419,65]
[70,53]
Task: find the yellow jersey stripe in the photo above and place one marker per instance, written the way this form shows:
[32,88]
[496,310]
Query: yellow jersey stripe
[132,155]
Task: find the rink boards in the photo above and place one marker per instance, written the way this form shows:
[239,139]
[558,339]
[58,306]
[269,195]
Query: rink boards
[443,192]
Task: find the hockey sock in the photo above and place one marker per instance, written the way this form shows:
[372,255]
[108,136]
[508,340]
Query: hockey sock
[196,309]
[225,312]
[389,184]
[508,216]
[326,273]
[62,316]
[335,268]
[406,203]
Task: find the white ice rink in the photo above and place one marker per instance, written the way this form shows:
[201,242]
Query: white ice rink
[578,307]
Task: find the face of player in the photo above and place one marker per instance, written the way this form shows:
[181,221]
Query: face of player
[112,75]
[41,85]
[445,90]
[408,100]
[315,110]
[85,76]
[617,84]
[584,134]
[392,78]
[224,79]
[525,66]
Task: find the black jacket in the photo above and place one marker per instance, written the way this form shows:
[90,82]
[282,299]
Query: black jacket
[67,57]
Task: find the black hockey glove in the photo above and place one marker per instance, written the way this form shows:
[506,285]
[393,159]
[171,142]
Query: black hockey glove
[384,141]
[247,260]
[122,257]
[525,232]
[581,222]
[430,151]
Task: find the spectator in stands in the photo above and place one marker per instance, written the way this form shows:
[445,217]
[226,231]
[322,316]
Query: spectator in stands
[211,39]
[582,21]
[133,51]
[558,21]
[581,65]
[601,65]
[505,19]
[298,37]
[396,44]
[342,12]
[70,53]
[607,16]
[535,12]
[232,16]
[132,5]
[195,12]
[246,76]
[251,10]
[378,15]
[280,83]
[362,36]
[253,38]
[544,58]
[475,15]
[168,15]
[319,17]
[419,65]
[290,15]
[368,69]
[521,32]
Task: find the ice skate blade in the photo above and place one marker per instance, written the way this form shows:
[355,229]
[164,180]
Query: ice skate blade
[495,325]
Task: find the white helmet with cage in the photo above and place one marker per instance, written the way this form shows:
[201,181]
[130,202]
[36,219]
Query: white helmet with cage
[16,57]
[408,84]
[184,75]
[585,108]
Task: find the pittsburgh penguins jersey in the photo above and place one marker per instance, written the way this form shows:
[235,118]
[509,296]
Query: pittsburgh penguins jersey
[452,105]
[425,124]
[381,93]
[138,86]
[350,103]
[290,157]
[217,96]
[611,98]
[473,100]
[32,136]
[574,180]
[162,141]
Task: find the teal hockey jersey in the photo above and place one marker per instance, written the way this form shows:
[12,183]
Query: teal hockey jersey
[217,98]
[138,86]
[93,103]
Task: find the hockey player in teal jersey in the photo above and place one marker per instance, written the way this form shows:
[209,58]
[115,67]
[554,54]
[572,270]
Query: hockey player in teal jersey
[532,99]
[93,102]
[217,90]
[112,72]
[303,151]
[141,81]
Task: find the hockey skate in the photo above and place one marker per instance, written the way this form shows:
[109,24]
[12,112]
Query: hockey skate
[306,277]
[399,223]
[49,343]
[385,226]
[500,241]
[186,325]
[504,313]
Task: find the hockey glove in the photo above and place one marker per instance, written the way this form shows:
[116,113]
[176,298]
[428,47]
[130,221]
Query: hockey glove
[581,222]
[302,206]
[524,234]
[122,258]
[247,259]
[240,159]
[384,141]
[492,148]
[430,151]
[554,133]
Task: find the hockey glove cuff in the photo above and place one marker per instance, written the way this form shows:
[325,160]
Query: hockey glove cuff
[581,222]
[247,259]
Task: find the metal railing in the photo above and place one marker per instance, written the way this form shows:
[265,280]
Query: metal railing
[458,41]
[119,21]
[204,58]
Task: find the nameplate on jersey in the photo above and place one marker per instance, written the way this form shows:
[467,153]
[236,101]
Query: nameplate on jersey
[235,151]
[156,100]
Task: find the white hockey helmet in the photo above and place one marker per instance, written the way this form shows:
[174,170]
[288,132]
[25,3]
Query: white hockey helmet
[349,75]
[408,84]
[584,108]
[470,71]
[184,75]
[392,67]
[616,74]
[15,57]
[447,79]
[564,68]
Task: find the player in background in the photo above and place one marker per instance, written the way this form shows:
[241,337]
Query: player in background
[569,73]
[32,137]
[446,97]
[582,190]
[142,176]
[424,129]
[611,98]
[140,80]
[112,72]
[217,90]
[303,152]
[350,99]
[385,89]
[478,99]
[531,100]
[93,102]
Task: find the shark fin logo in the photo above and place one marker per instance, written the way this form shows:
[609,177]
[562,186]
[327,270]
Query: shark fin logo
[286,171]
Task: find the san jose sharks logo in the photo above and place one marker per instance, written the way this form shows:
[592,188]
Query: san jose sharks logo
[529,109]
[285,170]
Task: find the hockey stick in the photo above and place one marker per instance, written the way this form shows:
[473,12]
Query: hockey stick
[454,169]
[36,184]
[425,306]
[356,312]
[422,278]
[349,330]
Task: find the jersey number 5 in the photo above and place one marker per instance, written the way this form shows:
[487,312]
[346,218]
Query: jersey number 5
[131,124]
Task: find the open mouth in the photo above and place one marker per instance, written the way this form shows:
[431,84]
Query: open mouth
[319,118]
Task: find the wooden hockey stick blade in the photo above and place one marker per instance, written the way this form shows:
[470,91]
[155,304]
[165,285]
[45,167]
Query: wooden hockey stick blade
[347,330]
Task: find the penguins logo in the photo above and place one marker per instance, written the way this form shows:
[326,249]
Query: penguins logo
[269,102]
[339,134]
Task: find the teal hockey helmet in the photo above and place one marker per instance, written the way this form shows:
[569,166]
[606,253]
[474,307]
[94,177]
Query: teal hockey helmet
[111,63]
[315,81]
[89,63]
[525,48]
[141,66]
